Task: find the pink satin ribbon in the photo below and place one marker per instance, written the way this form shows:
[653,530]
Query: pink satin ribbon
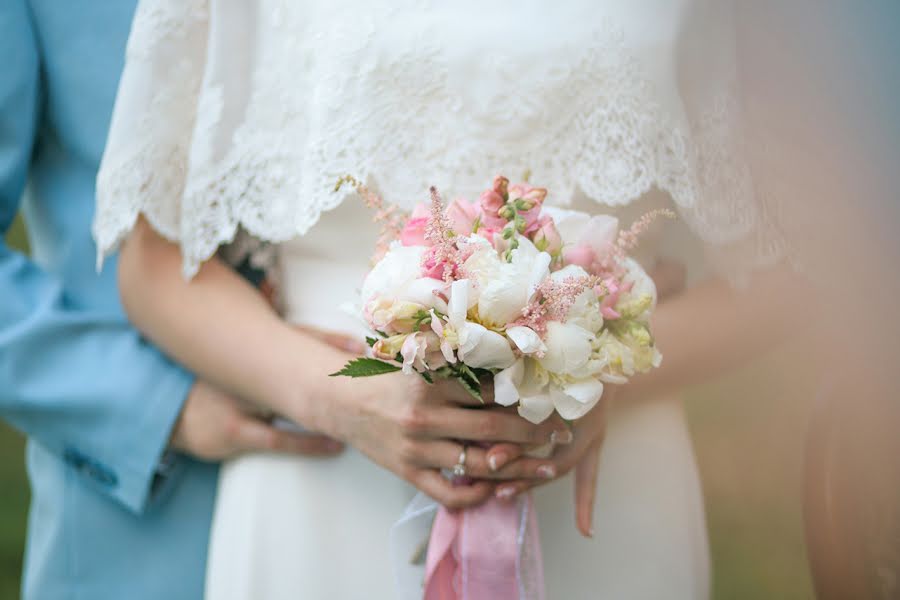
[489,552]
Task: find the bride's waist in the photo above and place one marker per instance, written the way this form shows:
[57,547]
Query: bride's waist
[321,292]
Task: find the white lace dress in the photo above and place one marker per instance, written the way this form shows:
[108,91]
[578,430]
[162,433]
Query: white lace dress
[241,115]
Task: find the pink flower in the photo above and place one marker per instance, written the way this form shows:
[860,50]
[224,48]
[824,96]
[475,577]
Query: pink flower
[413,233]
[547,238]
[532,195]
[462,215]
[610,290]
[501,186]
[491,203]
[533,220]
[580,254]
[435,267]
[493,200]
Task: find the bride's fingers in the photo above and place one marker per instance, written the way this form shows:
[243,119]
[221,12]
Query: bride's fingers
[452,496]
[445,422]
[445,454]
[451,390]
[586,489]
[499,455]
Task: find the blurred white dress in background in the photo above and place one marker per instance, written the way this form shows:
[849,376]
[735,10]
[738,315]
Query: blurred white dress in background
[237,114]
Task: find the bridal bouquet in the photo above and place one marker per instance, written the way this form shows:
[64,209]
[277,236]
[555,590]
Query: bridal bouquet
[545,301]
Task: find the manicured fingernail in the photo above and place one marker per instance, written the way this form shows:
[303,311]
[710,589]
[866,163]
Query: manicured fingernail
[495,461]
[354,347]
[505,493]
[563,436]
[591,532]
[546,471]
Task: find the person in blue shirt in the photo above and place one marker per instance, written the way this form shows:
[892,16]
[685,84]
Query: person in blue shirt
[122,442]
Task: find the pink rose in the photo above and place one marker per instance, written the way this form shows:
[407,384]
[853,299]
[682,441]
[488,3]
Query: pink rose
[413,233]
[580,254]
[462,215]
[547,238]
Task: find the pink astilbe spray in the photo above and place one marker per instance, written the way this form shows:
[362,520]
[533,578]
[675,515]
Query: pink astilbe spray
[389,216]
[628,240]
[553,299]
[444,259]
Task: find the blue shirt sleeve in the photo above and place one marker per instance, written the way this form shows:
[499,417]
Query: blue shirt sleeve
[80,382]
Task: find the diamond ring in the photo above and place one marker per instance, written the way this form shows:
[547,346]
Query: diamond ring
[459,469]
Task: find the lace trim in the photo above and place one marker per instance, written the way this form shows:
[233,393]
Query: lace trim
[607,137]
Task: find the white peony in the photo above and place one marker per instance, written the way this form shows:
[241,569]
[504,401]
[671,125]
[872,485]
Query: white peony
[585,311]
[568,348]
[576,227]
[538,393]
[394,272]
[505,288]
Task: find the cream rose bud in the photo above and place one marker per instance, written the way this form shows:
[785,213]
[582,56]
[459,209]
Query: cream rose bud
[387,348]
[392,316]
[547,238]
[568,348]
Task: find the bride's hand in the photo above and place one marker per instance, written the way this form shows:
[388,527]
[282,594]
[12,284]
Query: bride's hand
[415,430]
[582,455]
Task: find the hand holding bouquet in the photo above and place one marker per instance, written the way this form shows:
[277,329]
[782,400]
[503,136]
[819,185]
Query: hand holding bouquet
[544,301]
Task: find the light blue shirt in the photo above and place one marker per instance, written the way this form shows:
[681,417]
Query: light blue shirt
[96,401]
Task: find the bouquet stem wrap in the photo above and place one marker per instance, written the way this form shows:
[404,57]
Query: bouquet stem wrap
[491,551]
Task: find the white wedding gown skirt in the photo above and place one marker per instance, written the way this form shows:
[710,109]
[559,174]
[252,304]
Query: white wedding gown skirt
[289,527]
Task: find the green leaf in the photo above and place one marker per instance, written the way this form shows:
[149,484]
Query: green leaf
[466,371]
[427,376]
[366,367]
[473,389]
[371,341]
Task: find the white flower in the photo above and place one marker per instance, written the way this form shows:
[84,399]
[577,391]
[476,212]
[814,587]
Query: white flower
[504,288]
[394,293]
[421,352]
[643,293]
[585,311]
[526,340]
[576,227]
[539,394]
[477,346]
[568,348]
[396,270]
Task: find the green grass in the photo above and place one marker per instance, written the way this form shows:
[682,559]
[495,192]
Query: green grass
[13,482]
[748,431]
[13,510]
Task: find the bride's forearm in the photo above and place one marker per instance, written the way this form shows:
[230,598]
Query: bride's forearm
[220,327]
[711,328]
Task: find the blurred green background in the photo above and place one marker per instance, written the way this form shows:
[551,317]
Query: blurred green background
[748,429]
